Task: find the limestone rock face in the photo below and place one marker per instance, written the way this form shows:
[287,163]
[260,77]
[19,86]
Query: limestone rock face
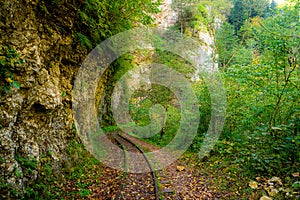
[36,118]
[167,17]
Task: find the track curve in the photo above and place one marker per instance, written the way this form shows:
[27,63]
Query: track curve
[128,145]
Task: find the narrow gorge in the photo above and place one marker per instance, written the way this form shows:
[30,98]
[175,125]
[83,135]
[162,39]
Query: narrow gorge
[36,119]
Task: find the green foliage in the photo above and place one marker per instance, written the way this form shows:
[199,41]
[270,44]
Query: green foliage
[186,14]
[270,10]
[102,19]
[263,96]
[227,42]
[261,135]
[4,187]
[9,59]
[174,61]
[251,105]
[275,153]
[278,43]
[203,95]
[83,189]
[71,182]
[80,162]
[210,12]
[244,10]
[142,100]
[84,41]
[110,128]
[140,114]
[117,69]
[27,164]
[195,16]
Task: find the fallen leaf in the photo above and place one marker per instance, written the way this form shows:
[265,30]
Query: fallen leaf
[258,179]
[296,174]
[180,168]
[253,184]
[265,198]
[272,192]
[274,180]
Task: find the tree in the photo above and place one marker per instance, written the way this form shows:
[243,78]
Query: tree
[263,96]
[273,5]
[227,42]
[278,43]
[246,9]
[100,19]
[209,15]
[270,9]
[185,10]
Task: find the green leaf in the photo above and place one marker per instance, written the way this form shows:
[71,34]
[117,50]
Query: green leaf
[16,84]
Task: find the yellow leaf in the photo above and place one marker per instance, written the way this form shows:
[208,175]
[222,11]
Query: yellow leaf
[180,168]
[8,80]
[253,184]
[265,198]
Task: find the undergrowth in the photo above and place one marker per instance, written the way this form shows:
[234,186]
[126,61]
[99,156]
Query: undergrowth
[70,181]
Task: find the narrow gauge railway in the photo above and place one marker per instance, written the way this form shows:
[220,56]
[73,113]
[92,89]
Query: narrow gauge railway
[139,185]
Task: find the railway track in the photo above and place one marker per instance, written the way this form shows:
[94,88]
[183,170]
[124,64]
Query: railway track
[129,179]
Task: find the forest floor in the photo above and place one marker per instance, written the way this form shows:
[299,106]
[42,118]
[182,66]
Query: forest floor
[178,181]
[215,177]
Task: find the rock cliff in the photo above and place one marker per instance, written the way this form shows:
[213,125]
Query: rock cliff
[37,118]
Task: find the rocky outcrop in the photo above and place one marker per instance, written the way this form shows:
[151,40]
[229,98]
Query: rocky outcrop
[167,17]
[37,118]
